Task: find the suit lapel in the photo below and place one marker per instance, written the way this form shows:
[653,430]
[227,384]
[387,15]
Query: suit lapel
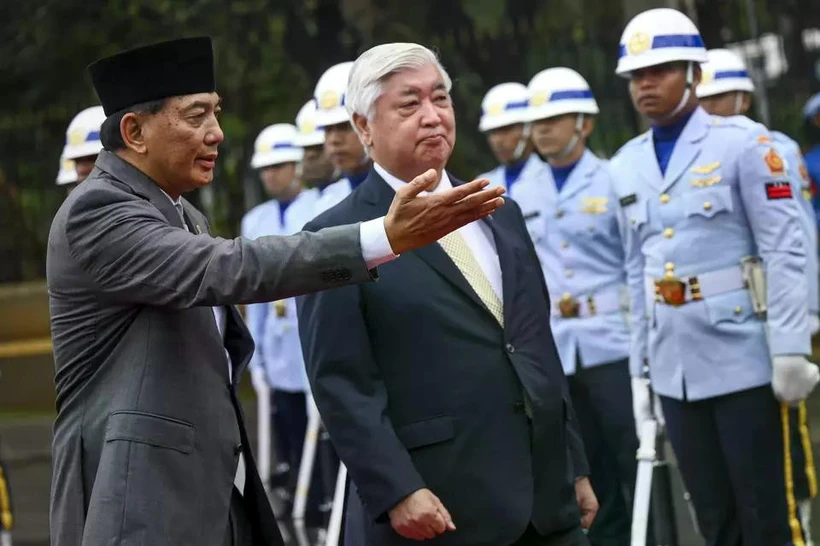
[651,172]
[684,153]
[579,178]
[140,183]
[379,195]
[507,261]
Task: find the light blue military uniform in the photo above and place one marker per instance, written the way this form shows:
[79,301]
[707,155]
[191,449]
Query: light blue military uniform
[723,198]
[796,169]
[497,177]
[332,195]
[273,325]
[576,236]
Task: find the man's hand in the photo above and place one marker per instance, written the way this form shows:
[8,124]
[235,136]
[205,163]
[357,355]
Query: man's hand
[793,378]
[587,501]
[420,516]
[414,221]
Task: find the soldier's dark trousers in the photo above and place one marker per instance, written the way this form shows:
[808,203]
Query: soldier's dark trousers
[602,398]
[737,467]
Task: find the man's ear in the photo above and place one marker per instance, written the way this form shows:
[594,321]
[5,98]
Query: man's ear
[362,126]
[588,126]
[132,133]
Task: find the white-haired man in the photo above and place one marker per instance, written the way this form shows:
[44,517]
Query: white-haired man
[441,386]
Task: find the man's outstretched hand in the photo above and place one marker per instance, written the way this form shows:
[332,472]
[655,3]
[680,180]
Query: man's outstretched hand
[414,220]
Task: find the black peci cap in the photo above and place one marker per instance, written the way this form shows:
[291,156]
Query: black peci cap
[157,71]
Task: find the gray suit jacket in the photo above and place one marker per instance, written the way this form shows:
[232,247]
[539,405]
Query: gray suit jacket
[149,430]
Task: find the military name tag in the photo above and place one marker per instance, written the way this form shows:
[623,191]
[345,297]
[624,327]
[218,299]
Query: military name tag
[628,200]
[531,215]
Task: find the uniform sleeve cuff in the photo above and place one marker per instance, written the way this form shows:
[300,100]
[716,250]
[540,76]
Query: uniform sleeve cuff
[789,343]
[376,248]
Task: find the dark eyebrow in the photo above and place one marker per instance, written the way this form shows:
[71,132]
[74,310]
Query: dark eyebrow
[205,105]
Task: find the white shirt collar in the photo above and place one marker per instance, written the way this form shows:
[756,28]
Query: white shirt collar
[175,202]
[395,183]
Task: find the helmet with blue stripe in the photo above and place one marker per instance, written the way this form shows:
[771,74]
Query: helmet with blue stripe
[275,145]
[67,173]
[559,91]
[329,95]
[308,134]
[659,36]
[811,109]
[82,138]
[503,105]
[724,72]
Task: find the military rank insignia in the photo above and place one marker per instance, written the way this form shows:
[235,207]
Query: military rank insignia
[594,205]
[775,163]
[280,307]
[778,190]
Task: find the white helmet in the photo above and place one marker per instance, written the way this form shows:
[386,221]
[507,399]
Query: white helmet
[330,95]
[308,134]
[559,91]
[67,173]
[503,105]
[724,72]
[82,137]
[659,36]
[275,145]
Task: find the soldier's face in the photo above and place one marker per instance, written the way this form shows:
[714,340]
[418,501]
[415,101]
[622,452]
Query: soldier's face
[278,179]
[413,125]
[657,90]
[727,104]
[316,167]
[343,147]
[503,142]
[552,135]
[181,140]
[83,166]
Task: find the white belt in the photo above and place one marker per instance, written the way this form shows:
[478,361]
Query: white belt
[600,303]
[698,287]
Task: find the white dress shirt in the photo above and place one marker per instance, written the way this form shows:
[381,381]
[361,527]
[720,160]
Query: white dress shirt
[476,234]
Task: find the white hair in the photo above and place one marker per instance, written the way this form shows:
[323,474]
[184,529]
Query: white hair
[375,66]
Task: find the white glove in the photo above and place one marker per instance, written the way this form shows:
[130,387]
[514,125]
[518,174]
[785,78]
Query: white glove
[814,324]
[640,402]
[258,379]
[793,378]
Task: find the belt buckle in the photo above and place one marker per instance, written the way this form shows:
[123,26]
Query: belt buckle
[672,290]
[569,307]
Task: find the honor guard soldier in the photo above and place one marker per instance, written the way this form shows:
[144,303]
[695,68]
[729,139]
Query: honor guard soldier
[572,221]
[508,134]
[316,168]
[726,90]
[811,123]
[715,260]
[342,145]
[277,360]
[82,145]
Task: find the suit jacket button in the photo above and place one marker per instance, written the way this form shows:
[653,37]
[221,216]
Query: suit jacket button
[510,348]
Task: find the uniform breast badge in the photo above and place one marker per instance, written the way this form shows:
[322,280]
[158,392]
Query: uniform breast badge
[569,306]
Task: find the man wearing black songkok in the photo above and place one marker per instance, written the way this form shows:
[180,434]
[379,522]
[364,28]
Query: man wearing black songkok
[149,443]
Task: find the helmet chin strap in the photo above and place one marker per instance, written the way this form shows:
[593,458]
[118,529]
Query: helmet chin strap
[522,142]
[576,136]
[690,83]
[738,103]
